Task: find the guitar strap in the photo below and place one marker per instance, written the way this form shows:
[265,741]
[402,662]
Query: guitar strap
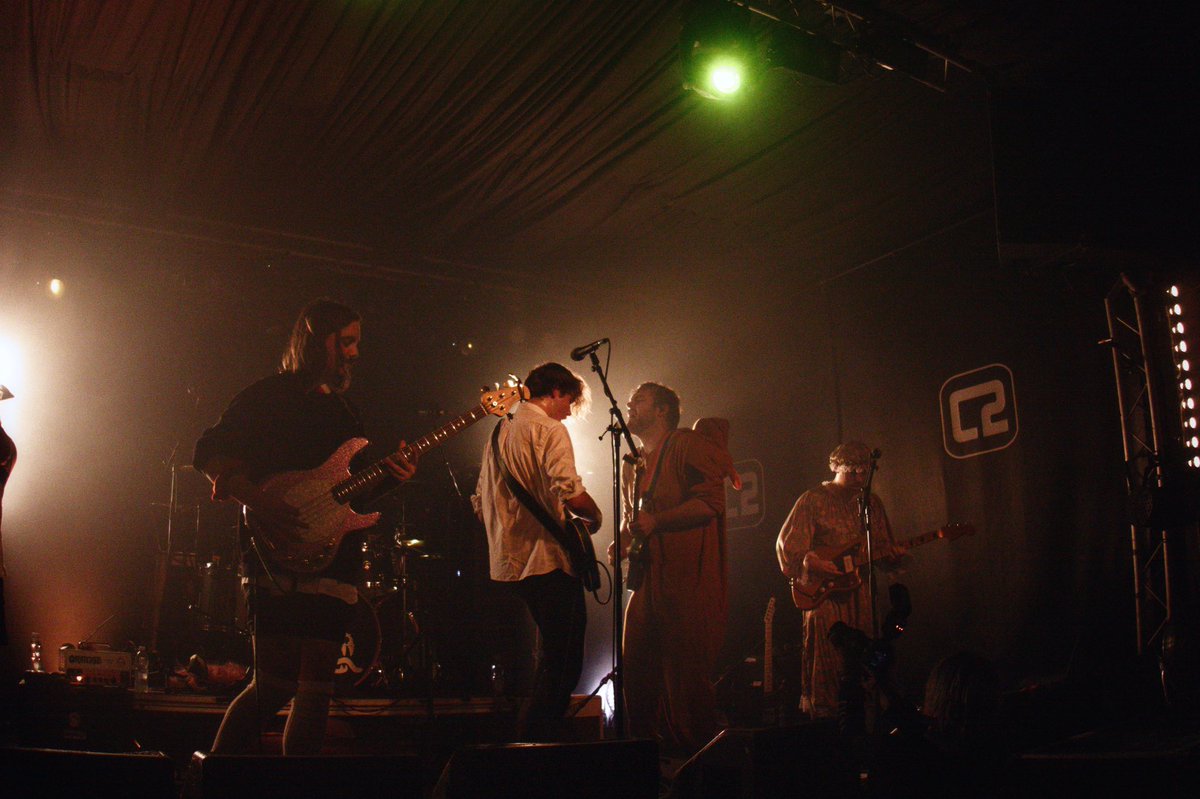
[648,496]
[519,491]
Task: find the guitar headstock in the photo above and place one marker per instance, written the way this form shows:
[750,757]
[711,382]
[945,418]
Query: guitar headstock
[770,614]
[956,530]
[500,400]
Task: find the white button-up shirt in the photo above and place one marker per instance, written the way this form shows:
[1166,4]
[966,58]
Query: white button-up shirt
[537,451]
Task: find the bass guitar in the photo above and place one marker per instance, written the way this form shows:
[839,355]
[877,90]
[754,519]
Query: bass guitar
[852,560]
[322,495]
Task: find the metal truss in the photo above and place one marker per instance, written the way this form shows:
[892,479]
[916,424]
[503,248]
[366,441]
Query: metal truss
[1138,388]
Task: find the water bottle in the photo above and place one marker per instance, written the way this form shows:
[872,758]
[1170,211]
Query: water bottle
[35,653]
[141,670]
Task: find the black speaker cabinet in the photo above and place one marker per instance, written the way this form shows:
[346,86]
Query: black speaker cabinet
[599,770]
[276,777]
[62,772]
[763,763]
[57,715]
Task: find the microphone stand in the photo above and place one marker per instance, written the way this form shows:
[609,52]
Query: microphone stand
[866,525]
[618,429]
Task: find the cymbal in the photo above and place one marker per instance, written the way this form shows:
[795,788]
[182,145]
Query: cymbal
[410,543]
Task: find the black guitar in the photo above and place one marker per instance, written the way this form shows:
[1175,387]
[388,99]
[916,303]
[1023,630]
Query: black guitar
[576,538]
[638,556]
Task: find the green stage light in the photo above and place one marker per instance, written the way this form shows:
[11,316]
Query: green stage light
[725,76]
[718,50]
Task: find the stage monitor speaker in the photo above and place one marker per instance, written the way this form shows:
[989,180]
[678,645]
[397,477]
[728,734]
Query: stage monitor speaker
[1139,772]
[55,773]
[599,770]
[276,777]
[769,762]
[53,714]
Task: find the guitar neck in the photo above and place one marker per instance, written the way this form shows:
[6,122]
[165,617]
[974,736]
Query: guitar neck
[915,541]
[374,474]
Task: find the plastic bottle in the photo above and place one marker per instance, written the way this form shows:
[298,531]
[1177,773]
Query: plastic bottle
[35,653]
[141,670]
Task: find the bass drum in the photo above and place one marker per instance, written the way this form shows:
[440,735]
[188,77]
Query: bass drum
[358,662]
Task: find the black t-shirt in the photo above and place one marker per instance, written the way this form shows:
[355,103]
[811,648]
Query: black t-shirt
[274,426]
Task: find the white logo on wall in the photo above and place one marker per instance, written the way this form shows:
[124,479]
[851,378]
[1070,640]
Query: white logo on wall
[979,411]
[745,508]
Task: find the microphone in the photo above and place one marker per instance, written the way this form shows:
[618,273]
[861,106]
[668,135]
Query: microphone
[876,454]
[579,353]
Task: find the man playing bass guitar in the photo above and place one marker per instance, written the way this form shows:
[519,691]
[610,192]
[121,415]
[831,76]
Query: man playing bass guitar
[292,420]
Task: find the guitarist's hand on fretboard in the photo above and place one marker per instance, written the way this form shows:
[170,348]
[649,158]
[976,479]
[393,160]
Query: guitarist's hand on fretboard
[892,554]
[402,464]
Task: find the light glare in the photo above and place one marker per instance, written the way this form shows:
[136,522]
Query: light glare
[725,78]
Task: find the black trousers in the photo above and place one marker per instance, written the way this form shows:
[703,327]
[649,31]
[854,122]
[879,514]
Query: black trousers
[555,600]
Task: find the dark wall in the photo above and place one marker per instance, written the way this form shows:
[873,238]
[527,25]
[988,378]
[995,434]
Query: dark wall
[153,338]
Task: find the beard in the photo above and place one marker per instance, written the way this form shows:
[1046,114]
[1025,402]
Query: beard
[635,425]
[339,378]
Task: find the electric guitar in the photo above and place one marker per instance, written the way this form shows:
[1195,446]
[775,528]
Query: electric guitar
[576,539]
[852,560]
[322,495]
[637,557]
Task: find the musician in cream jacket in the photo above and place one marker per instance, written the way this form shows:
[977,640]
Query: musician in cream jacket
[525,556]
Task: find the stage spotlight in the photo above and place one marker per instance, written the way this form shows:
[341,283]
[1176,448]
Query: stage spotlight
[725,77]
[717,49]
[55,287]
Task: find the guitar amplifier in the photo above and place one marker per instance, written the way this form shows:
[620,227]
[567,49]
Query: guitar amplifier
[95,664]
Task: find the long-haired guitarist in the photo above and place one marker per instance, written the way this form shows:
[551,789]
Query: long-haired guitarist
[825,519]
[292,421]
[536,562]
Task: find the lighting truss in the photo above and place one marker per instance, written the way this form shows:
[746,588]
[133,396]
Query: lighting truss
[867,35]
[1156,399]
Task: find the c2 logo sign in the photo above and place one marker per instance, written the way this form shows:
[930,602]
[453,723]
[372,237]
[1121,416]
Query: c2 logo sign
[979,411]
[746,508]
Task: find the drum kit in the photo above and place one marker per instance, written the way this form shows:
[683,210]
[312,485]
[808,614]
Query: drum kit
[386,648]
[389,647]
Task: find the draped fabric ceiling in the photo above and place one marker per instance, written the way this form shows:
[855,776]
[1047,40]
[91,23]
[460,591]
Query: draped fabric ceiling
[486,141]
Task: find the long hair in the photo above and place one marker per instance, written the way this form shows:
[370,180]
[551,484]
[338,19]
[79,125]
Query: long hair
[962,696]
[305,352]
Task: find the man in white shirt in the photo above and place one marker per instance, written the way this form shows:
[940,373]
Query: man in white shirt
[537,451]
